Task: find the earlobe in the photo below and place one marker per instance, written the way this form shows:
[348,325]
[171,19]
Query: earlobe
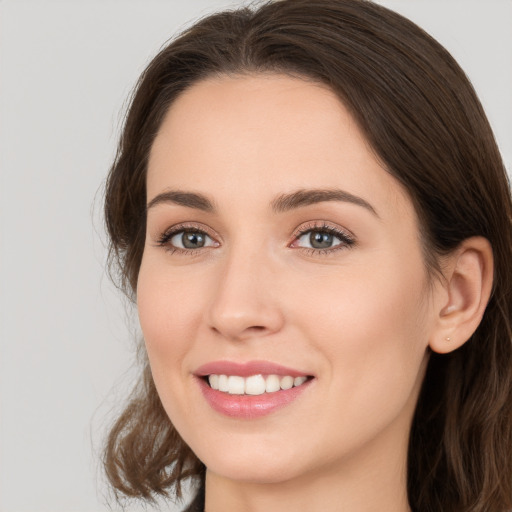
[469,276]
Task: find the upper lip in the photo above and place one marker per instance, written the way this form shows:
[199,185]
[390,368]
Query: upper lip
[247,369]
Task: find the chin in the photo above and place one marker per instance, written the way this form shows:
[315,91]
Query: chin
[254,472]
[252,463]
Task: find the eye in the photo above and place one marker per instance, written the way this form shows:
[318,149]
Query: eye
[186,239]
[322,238]
[191,240]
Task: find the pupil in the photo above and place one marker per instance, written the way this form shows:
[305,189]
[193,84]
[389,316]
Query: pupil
[192,240]
[320,240]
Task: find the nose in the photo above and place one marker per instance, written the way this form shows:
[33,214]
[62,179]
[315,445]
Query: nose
[245,304]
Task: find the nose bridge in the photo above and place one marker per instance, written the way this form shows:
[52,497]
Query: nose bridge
[245,303]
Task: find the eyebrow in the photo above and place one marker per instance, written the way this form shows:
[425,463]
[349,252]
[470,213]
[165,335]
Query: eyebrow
[304,197]
[182,198]
[281,204]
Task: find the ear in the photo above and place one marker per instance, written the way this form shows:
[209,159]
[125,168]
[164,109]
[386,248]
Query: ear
[468,274]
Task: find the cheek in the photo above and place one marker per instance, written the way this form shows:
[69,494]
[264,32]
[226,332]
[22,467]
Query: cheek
[170,311]
[370,324]
[167,306]
[374,302]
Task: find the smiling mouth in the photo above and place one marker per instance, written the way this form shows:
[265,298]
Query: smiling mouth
[254,385]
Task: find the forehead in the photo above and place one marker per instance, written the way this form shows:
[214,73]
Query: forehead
[256,136]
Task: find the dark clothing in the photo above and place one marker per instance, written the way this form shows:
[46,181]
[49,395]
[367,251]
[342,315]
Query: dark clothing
[197,504]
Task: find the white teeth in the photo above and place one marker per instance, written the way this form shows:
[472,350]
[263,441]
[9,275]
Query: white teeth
[214,381]
[223,383]
[299,380]
[272,384]
[236,385]
[287,382]
[253,385]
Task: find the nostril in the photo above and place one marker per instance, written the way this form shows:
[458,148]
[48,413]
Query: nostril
[241,333]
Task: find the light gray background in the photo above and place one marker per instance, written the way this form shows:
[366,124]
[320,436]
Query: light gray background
[66,337]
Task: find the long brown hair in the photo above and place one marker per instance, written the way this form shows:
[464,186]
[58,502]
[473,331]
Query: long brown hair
[425,123]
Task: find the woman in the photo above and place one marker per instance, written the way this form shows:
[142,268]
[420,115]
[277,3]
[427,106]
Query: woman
[310,210]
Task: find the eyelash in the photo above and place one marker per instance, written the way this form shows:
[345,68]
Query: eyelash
[346,239]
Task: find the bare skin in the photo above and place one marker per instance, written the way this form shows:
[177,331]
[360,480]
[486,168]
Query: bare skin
[357,313]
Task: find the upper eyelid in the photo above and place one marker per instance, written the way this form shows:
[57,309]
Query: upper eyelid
[307,226]
[188,226]
[320,225]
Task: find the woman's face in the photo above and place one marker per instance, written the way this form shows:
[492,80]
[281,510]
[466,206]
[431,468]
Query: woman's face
[278,247]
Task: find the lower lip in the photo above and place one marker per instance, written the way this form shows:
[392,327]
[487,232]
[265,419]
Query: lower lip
[250,406]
